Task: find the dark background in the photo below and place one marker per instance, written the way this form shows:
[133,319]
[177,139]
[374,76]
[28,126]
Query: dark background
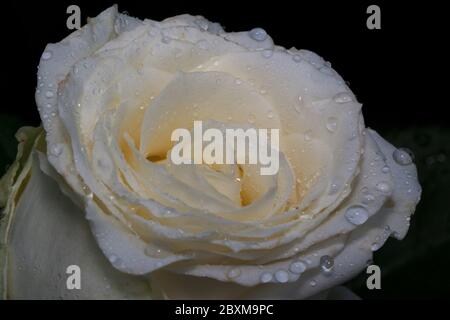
[398,73]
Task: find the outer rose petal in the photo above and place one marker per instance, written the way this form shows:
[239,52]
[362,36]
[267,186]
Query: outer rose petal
[58,235]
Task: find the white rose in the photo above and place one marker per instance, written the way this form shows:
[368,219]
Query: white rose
[110,95]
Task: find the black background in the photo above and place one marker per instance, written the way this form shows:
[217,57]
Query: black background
[398,73]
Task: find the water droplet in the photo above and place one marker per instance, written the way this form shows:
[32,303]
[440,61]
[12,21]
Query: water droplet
[342,97]
[49,94]
[312,283]
[297,267]
[267,53]
[266,277]
[332,123]
[47,55]
[356,215]
[334,187]
[307,135]
[296,58]
[326,263]
[270,114]
[234,273]
[368,198]
[385,169]
[383,187]
[282,276]
[298,106]
[403,156]
[375,246]
[258,34]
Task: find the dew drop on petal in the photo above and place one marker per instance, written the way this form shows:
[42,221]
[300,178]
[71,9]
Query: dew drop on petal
[297,267]
[326,263]
[383,187]
[165,40]
[56,150]
[331,124]
[49,94]
[267,53]
[47,55]
[234,273]
[266,277]
[296,58]
[282,276]
[368,198]
[375,246]
[342,97]
[258,34]
[356,215]
[403,156]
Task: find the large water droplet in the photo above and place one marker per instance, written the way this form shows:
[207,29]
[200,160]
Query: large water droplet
[282,276]
[297,267]
[49,94]
[356,215]
[258,34]
[403,156]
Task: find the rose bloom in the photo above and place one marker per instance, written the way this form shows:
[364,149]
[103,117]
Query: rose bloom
[95,187]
